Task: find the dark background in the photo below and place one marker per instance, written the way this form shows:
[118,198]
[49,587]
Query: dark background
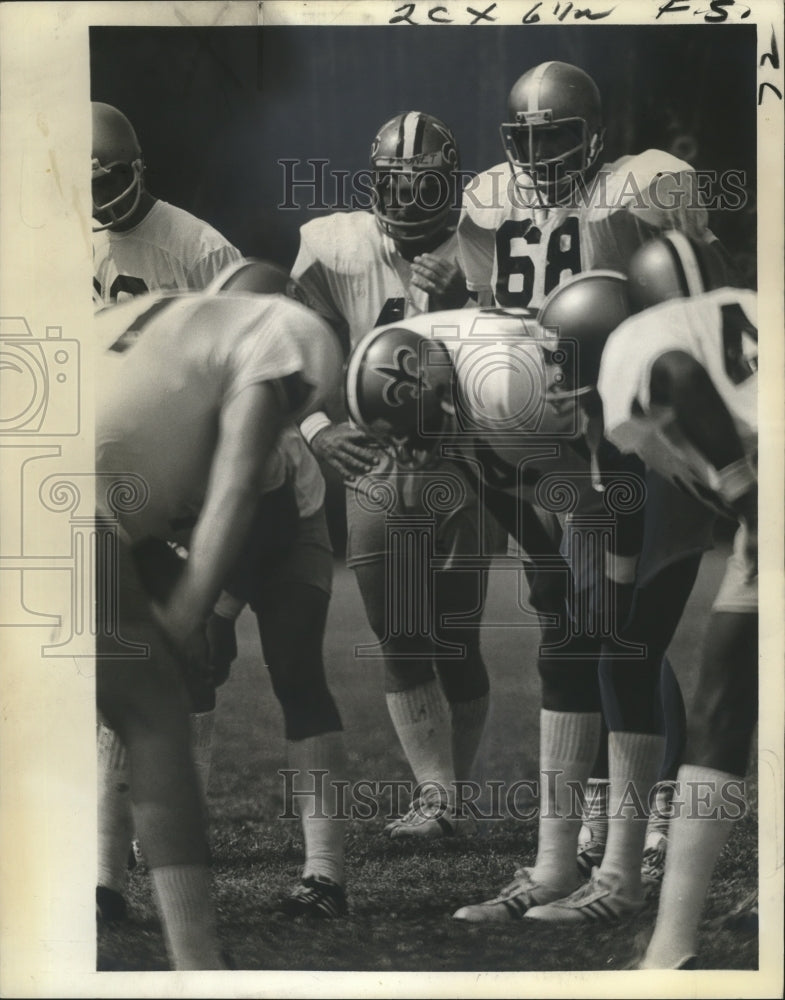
[216,108]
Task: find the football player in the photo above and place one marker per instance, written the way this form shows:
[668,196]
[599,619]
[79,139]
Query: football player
[287,585]
[677,386]
[145,244]
[361,270]
[472,384]
[193,471]
[552,210]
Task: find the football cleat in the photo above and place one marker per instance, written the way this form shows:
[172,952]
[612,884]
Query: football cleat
[591,846]
[110,906]
[512,903]
[431,820]
[596,901]
[316,896]
[653,864]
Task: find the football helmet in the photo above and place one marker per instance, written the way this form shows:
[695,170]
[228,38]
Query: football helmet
[673,266]
[260,277]
[414,158]
[115,149]
[399,389]
[577,318]
[554,132]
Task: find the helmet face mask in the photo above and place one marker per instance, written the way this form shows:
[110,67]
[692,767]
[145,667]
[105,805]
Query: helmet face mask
[553,135]
[117,168]
[551,156]
[413,160]
[111,209]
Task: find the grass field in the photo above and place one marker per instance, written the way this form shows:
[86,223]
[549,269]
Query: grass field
[402,895]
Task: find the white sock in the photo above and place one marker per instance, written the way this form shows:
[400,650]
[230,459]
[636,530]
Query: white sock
[633,762]
[421,717]
[115,825]
[568,747]
[188,916]
[202,726]
[694,845]
[323,831]
[595,811]
[467,724]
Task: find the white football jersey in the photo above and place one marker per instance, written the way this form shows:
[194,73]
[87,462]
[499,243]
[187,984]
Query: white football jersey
[352,272]
[168,364]
[170,249]
[504,426]
[520,250]
[718,329]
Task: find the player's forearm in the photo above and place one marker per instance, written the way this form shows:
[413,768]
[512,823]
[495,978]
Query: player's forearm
[215,545]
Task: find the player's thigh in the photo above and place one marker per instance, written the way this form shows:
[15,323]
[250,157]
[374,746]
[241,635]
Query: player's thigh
[138,678]
[291,602]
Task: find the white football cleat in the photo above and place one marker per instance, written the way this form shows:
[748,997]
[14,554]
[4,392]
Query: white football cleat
[432,820]
[597,901]
[512,903]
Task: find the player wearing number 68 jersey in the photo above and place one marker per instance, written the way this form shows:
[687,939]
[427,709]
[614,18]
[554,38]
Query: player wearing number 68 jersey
[555,209]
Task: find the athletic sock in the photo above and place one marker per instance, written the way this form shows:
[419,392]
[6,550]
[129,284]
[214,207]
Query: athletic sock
[320,809]
[188,916]
[115,825]
[568,746]
[633,764]
[697,837]
[467,724]
[595,811]
[202,727]
[421,717]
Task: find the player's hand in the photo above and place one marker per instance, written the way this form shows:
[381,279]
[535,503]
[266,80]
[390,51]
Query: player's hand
[222,645]
[186,636]
[442,279]
[347,449]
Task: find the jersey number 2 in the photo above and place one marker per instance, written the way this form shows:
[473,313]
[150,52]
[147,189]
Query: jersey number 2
[562,254]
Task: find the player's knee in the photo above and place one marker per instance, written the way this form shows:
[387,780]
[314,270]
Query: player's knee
[719,736]
[404,675]
[568,674]
[311,713]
